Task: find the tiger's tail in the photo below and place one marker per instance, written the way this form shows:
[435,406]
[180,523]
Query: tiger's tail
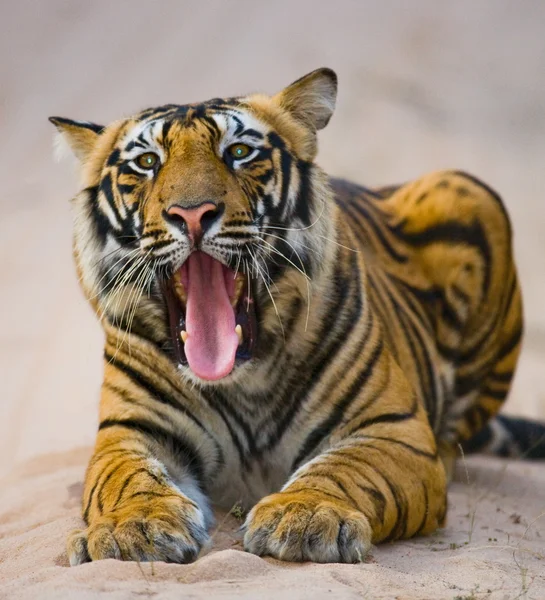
[509,437]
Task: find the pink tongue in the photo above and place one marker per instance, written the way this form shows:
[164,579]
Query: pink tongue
[212,342]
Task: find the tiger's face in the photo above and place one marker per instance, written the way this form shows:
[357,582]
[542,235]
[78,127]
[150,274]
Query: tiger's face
[198,222]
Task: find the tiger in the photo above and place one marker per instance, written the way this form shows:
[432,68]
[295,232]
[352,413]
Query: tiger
[310,350]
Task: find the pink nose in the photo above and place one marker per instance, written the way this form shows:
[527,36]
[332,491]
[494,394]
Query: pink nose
[196,220]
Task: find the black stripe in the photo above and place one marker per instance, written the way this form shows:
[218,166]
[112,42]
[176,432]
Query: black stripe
[418,306]
[328,344]
[379,501]
[465,384]
[332,477]
[510,345]
[130,478]
[426,510]
[113,158]
[471,354]
[368,403]
[451,317]
[105,450]
[101,222]
[501,377]
[428,372]
[95,486]
[356,203]
[326,427]
[460,294]
[451,232]
[400,526]
[125,188]
[386,418]
[240,126]
[158,244]
[326,349]
[411,449]
[106,187]
[423,365]
[237,235]
[285,169]
[181,448]
[153,494]
[401,516]
[100,500]
[125,396]
[82,124]
[253,133]
[492,193]
[155,394]
[166,130]
[498,395]
[222,406]
[305,197]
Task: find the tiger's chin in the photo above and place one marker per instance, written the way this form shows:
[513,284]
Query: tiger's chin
[212,318]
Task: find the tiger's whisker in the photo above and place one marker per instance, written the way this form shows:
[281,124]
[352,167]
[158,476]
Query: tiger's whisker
[269,292]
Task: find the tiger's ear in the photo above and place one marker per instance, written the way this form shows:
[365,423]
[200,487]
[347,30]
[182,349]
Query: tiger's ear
[81,136]
[311,99]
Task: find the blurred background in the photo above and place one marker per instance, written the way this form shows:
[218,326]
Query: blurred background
[423,85]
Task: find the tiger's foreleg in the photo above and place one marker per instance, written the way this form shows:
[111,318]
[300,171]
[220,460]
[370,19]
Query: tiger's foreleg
[134,507]
[380,479]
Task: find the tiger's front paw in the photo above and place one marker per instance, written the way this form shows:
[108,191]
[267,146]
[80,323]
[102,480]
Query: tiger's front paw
[306,525]
[171,529]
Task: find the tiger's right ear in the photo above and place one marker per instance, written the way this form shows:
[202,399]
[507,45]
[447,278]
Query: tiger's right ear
[81,136]
[311,99]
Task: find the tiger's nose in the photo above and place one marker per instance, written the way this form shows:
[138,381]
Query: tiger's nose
[195,221]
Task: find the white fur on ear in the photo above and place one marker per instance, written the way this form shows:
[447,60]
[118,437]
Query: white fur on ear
[62,150]
[80,136]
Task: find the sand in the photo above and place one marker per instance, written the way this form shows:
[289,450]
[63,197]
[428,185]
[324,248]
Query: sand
[492,547]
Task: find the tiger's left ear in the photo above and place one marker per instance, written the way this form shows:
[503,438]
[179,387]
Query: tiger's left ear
[81,136]
[311,99]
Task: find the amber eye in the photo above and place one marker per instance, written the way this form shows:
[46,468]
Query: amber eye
[147,160]
[238,151]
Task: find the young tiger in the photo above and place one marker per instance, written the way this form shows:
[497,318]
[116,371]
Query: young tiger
[310,349]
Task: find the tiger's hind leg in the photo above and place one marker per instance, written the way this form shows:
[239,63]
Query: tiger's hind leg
[485,372]
[479,325]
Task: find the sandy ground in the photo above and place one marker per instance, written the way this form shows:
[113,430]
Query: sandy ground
[423,85]
[493,547]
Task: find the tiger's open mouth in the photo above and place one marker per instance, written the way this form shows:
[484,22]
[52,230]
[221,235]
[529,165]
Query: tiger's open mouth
[212,316]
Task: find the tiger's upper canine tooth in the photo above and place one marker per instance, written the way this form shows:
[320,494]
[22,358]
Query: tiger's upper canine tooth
[238,331]
[183,335]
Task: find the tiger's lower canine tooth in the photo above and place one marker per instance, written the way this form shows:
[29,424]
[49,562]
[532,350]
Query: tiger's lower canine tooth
[183,335]
[238,331]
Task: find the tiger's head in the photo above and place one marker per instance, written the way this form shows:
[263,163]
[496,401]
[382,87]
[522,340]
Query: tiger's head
[202,226]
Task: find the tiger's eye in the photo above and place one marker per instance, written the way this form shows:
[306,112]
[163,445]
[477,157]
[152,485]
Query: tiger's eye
[147,160]
[238,151]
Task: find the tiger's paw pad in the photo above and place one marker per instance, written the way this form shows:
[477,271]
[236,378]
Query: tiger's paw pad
[304,526]
[168,529]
